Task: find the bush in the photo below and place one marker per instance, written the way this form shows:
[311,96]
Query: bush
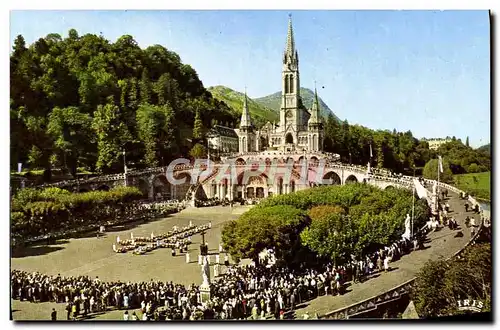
[322,211]
[473,168]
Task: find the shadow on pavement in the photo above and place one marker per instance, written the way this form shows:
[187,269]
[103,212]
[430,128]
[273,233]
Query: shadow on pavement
[31,251]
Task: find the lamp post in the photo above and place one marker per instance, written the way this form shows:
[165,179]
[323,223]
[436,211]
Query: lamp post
[124,167]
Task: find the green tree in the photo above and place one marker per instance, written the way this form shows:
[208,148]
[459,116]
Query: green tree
[468,277]
[71,131]
[332,236]
[430,279]
[112,134]
[198,127]
[155,129]
[467,142]
[198,151]
[145,87]
[431,171]
[275,227]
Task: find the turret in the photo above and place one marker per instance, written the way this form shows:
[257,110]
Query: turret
[246,121]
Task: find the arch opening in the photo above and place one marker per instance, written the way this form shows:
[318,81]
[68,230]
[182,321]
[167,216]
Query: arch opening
[161,188]
[332,178]
[351,179]
[103,188]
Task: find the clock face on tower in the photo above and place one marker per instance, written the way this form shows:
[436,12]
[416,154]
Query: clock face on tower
[289,114]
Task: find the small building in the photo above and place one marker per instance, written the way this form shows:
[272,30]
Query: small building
[434,143]
[222,140]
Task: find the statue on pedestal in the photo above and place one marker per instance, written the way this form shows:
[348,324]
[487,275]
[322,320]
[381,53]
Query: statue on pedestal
[205,272]
[407,232]
[205,286]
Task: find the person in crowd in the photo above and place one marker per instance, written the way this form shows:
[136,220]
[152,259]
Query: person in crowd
[53,315]
[386,264]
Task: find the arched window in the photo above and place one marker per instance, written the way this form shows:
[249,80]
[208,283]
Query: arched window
[291,83]
[287,84]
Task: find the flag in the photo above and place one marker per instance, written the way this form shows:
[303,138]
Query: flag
[440,164]
[371,152]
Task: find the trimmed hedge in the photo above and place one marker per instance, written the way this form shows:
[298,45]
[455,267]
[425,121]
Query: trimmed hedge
[35,212]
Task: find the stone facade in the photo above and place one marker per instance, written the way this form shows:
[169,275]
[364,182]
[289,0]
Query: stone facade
[299,129]
[222,140]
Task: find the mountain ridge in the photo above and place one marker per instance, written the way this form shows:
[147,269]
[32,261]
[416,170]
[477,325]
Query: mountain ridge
[273,101]
[234,100]
[266,108]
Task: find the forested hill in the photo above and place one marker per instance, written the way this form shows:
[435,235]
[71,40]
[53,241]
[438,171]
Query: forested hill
[259,113]
[78,101]
[486,149]
[273,101]
[81,101]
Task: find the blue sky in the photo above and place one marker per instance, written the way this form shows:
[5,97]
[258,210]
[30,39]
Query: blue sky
[424,71]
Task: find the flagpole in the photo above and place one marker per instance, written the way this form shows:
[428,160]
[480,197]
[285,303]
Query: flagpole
[413,209]
[439,170]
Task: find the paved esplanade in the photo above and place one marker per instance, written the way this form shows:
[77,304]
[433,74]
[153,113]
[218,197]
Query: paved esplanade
[93,257]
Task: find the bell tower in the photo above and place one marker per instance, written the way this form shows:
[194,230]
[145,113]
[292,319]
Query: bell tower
[290,116]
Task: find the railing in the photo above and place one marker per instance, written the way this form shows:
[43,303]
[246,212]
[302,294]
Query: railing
[99,179]
[398,291]
[184,167]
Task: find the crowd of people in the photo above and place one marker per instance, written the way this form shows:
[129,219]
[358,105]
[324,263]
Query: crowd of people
[215,201]
[256,291]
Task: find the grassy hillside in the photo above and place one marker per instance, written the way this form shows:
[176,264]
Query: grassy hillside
[260,114]
[486,149]
[273,101]
[478,187]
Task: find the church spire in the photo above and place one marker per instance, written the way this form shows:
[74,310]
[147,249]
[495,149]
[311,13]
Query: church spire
[290,42]
[314,119]
[245,114]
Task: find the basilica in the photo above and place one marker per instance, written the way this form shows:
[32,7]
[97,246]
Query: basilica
[299,129]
